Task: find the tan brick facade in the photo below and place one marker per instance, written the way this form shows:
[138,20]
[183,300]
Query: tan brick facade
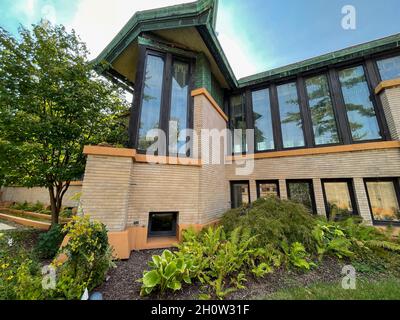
[122,191]
[390,98]
[351,165]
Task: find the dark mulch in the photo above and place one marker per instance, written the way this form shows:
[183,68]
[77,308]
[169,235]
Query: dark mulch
[121,284]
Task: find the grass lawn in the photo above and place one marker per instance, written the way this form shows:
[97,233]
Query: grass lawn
[387,289]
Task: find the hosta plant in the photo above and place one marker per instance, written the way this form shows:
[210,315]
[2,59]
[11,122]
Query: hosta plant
[168,272]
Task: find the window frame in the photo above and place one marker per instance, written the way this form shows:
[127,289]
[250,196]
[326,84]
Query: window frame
[232,183]
[396,184]
[350,186]
[165,108]
[250,112]
[189,113]
[372,77]
[303,116]
[383,56]
[259,182]
[247,119]
[172,233]
[372,97]
[334,109]
[310,182]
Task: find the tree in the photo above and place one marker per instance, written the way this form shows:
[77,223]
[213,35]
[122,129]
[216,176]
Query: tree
[52,104]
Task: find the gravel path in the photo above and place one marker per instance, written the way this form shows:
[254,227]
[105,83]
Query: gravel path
[121,284]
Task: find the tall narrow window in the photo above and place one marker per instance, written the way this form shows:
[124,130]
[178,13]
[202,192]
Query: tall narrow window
[339,198]
[359,107]
[240,193]
[384,199]
[264,138]
[322,115]
[178,122]
[238,121]
[302,191]
[291,121]
[389,68]
[151,101]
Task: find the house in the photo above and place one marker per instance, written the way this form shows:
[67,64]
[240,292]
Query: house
[324,132]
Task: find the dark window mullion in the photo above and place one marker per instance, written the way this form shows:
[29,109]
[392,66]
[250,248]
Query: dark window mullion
[276,121]
[190,113]
[248,105]
[137,98]
[339,107]
[373,79]
[166,101]
[305,113]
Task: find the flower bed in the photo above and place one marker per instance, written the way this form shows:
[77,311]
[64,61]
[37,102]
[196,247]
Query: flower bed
[255,242]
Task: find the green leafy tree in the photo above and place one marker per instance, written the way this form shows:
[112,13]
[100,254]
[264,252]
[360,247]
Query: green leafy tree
[52,104]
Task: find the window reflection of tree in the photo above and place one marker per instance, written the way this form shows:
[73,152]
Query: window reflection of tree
[238,121]
[263,134]
[322,114]
[151,101]
[300,192]
[291,121]
[360,110]
[179,103]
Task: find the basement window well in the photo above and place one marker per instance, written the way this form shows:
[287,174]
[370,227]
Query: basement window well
[162,224]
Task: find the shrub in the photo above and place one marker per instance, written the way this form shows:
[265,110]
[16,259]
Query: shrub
[331,239]
[88,260]
[274,221]
[89,255]
[49,242]
[25,206]
[66,213]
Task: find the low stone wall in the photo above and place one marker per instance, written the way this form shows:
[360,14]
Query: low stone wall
[32,195]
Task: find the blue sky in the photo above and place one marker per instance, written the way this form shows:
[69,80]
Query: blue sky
[256,35]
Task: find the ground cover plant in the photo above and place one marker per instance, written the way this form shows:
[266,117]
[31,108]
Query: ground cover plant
[254,241]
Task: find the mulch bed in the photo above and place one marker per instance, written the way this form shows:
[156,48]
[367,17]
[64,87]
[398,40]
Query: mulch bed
[121,284]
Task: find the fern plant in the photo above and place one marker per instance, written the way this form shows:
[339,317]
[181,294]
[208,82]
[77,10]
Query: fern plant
[297,255]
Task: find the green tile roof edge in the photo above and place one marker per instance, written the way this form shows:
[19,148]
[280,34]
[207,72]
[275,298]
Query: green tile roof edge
[355,51]
[166,18]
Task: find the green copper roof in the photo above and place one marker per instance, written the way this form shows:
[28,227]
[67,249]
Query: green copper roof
[201,14]
[357,51]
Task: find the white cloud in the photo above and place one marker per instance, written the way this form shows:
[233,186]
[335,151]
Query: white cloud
[26,10]
[238,44]
[237,55]
[97,22]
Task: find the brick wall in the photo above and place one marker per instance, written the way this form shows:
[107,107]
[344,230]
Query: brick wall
[213,187]
[353,165]
[32,195]
[106,190]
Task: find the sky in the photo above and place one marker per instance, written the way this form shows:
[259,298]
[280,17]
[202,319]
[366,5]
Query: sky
[256,35]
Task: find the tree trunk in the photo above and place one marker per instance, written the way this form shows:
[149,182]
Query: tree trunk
[57,193]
